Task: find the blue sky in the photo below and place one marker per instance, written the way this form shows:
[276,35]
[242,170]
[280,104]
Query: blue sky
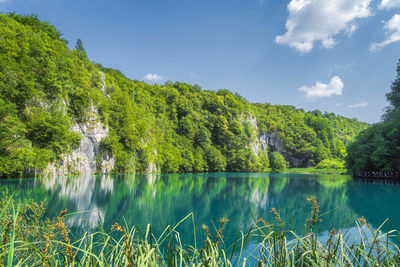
[334,55]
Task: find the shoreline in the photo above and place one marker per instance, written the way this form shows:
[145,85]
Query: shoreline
[315,171]
[287,171]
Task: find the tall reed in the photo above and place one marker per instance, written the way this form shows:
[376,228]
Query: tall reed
[29,239]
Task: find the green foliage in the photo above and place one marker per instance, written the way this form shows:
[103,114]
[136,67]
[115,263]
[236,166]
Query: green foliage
[216,162]
[50,130]
[203,137]
[263,160]
[393,97]
[185,128]
[378,148]
[28,239]
[38,76]
[199,165]
[278,162]
[316,171]
[330,164]
[79,48]
[308,136]
[34,22]
[46,88]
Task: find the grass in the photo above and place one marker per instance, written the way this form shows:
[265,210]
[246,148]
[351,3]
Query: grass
[28,239]
[315,171]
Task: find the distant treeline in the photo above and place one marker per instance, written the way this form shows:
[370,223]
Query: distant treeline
[46,88]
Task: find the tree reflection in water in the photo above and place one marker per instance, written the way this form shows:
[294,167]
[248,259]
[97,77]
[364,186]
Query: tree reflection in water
[165,199]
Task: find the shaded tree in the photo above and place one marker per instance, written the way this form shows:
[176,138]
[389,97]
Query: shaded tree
[378,148]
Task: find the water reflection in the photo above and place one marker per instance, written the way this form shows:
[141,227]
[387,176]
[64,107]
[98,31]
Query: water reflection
[84,195]
[243,198]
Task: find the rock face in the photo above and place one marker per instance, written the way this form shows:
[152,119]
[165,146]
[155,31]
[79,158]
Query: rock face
[270,141]
[152,168]
[87,158]
[274,142]
[266,140]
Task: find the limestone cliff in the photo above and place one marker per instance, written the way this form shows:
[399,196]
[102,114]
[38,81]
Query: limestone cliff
[87,158]
[270,141]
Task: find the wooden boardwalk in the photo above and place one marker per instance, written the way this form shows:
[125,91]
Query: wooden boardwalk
[379,177]
[377,174]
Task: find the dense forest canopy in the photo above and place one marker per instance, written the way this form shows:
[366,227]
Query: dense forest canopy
[377,149]
[47,88]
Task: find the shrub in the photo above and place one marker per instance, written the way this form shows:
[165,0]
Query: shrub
[277,161]
[330,164]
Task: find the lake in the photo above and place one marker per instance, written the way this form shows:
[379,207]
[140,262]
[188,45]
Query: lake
[241,197]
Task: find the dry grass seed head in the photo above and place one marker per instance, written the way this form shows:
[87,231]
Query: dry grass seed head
[277,215]
[315,212]
[62,227]
[219,236]
[363,221]
[266,224]
[205,228]
[117,227]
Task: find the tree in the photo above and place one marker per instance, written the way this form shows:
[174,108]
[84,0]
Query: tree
[79,47]
[202,138]
[216,162]
[185,128]
[264,160]
[47,89]
[330,164]
[394,95]
[378,148]
[277,162]
[198,162]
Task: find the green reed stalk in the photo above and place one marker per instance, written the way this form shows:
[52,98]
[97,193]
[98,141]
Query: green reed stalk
[47,246]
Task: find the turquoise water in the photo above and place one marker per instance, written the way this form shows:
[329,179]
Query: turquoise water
[241,197]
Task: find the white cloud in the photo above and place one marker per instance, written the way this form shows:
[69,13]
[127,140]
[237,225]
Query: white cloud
[388,4]
[320,90]
[392,28]
[152,77]
[312,21]
[350,30]
[359,105]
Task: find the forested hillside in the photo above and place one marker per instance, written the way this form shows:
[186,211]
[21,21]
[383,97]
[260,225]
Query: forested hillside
[377,149]
[51,96]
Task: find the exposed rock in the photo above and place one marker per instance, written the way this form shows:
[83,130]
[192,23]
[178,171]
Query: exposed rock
[253,122]
[151,168]
[103,83]
[270,141]
[87,158]
[273,142]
